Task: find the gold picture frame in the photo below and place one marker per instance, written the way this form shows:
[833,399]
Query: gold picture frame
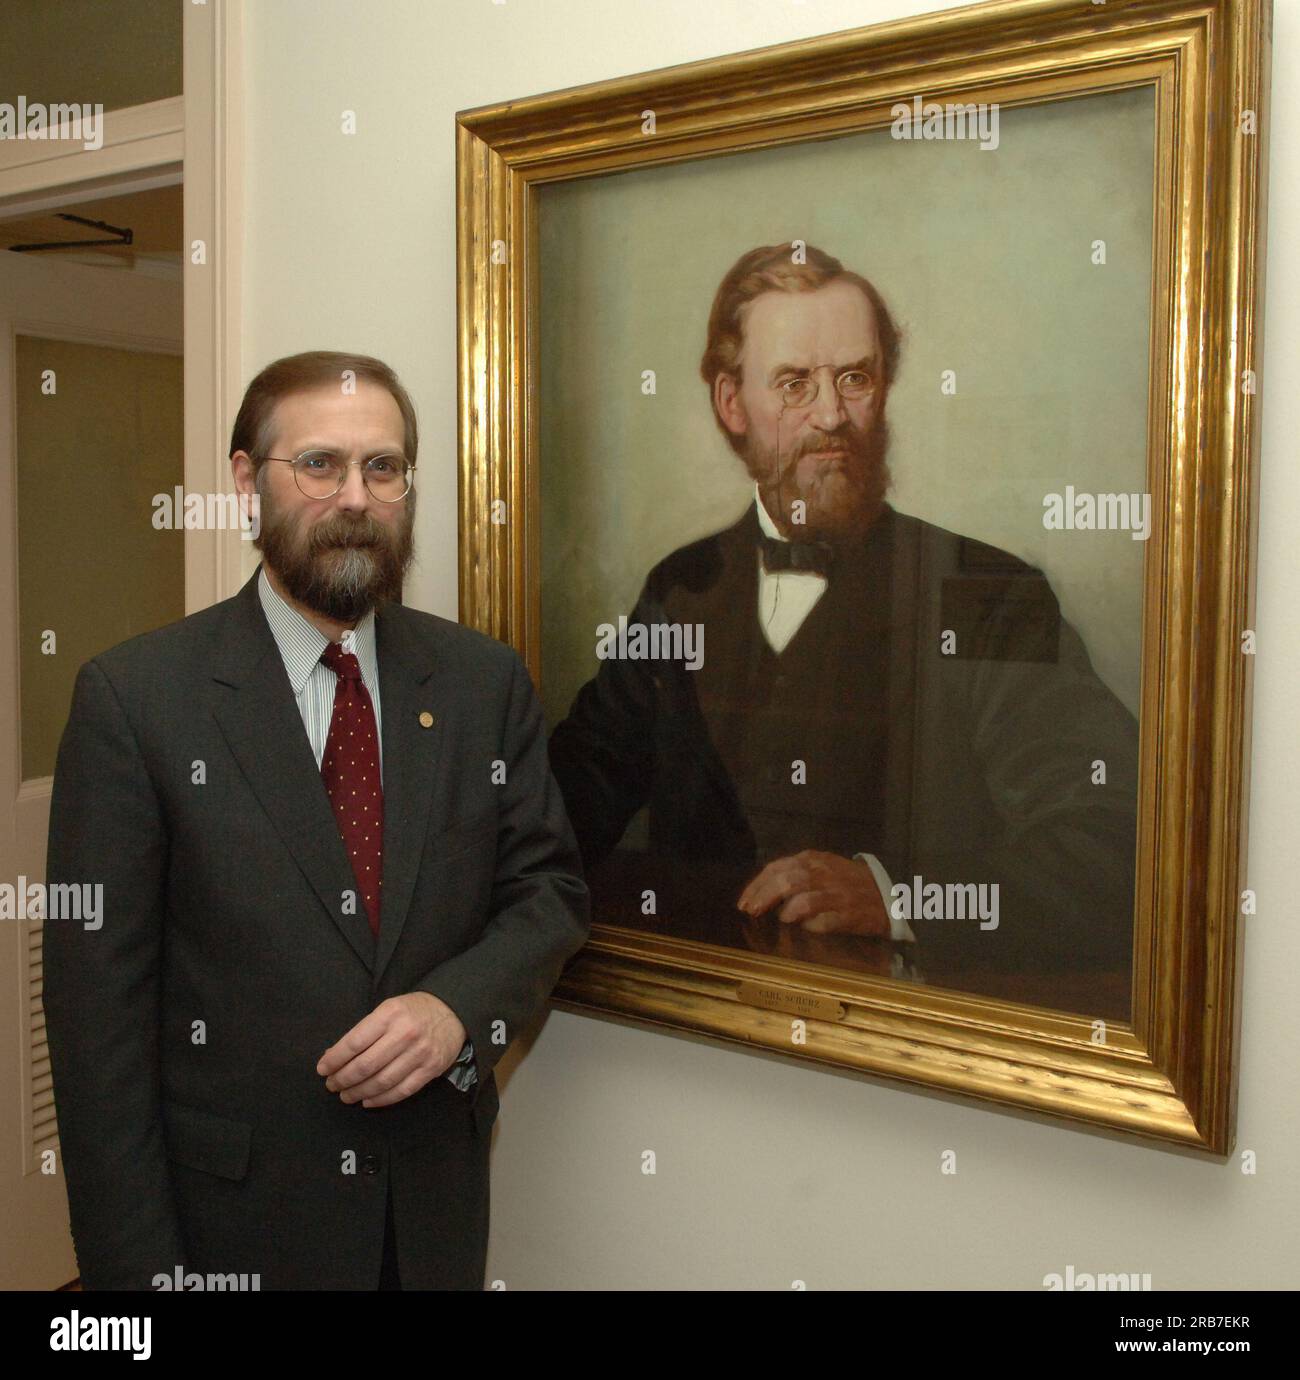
[1170,1073]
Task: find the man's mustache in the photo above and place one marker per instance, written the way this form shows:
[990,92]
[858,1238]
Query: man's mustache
[856,443]
[324,536]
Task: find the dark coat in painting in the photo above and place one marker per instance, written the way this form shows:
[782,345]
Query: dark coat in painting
[948,720]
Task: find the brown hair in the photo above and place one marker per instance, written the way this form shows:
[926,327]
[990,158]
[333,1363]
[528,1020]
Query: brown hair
[297,373]
[771,268]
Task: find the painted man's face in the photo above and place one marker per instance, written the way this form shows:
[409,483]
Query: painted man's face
[828,452]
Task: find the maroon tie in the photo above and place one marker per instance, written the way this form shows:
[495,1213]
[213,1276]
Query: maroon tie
[350,770]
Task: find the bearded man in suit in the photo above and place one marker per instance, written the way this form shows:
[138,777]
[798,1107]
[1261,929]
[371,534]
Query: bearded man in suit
[879,701]
[337,880]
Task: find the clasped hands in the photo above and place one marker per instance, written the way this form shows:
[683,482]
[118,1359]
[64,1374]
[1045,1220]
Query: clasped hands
[823,892]
[409,1040]
[404,1043]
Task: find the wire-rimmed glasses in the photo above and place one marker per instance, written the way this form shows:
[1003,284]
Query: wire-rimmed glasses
[322,473]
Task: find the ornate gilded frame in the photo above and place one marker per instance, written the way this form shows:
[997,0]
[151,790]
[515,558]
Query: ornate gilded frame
[1171,1074]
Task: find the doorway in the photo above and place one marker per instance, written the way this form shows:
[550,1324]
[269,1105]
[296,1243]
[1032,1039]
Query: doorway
[119,370]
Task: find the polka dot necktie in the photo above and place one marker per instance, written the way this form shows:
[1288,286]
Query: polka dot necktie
[350,770]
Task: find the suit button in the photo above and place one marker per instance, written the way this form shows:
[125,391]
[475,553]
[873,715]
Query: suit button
[370,1164]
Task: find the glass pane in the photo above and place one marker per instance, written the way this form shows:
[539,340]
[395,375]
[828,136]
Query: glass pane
[111,53]
[100,433]
[933,695]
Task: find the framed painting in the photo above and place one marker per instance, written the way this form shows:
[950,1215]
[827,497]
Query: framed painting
[859,443]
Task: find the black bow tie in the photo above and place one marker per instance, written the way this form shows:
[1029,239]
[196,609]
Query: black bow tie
[814,556]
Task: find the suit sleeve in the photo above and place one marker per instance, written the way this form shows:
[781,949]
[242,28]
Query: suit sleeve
[603,752]
[540,905]
[101,997]
[1065,863]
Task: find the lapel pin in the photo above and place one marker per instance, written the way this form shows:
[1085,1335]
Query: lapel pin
[426,719]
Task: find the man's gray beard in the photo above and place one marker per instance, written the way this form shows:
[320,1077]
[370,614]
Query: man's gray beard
[349,584]
[858,505]
[342,583]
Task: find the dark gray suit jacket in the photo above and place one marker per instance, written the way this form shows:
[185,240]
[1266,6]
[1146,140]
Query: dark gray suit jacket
[184,1033]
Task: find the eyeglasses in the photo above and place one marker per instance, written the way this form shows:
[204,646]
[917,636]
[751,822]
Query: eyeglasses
[851,384]
[321,474]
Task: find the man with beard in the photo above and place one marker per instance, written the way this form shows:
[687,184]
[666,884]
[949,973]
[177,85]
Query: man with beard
[879,701]
[337,880]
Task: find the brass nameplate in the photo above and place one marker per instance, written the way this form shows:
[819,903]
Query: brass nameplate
[786,999]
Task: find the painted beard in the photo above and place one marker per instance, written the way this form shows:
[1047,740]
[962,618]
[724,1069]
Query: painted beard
[341,567]
[843,495]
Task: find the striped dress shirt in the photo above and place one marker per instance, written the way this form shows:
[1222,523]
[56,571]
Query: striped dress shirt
[301,644]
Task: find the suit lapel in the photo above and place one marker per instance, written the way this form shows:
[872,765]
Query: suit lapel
[412,683]
[727,606]
[259,718]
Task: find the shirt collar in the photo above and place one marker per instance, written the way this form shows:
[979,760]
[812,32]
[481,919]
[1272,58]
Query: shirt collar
[301,642]
[764,520]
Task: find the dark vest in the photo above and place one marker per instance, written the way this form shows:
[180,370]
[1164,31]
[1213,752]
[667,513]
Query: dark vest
[823,702]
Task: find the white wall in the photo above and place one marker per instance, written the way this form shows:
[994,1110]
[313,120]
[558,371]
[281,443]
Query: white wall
[767,1172]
